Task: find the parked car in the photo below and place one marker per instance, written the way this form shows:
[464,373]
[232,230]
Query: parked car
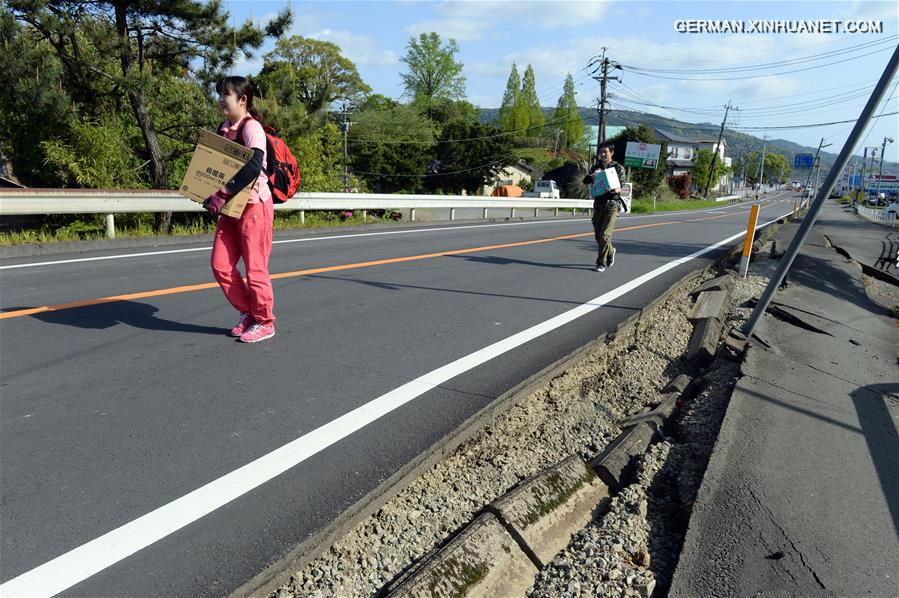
[893,208]
[544,190]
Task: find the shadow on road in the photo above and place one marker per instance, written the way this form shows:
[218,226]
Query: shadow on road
[107,315]
[879,429]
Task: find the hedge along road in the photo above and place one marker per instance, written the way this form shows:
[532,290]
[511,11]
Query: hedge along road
[146,453]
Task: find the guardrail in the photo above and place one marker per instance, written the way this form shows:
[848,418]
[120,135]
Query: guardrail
[878,216]
[20,202]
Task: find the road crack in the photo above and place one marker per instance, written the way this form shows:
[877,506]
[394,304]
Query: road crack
[786,537]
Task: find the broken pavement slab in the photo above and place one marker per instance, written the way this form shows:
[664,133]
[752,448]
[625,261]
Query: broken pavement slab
[612,464]
[548,508]
[482,561]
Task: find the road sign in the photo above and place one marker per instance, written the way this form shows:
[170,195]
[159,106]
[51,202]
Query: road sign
[642,155]
[803,161]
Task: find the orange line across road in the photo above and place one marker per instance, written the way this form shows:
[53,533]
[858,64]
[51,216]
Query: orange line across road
[396,260]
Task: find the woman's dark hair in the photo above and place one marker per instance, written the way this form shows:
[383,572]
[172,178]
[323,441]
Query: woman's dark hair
[241,86]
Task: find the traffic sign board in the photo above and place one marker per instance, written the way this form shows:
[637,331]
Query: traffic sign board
[642,155]
[803,161]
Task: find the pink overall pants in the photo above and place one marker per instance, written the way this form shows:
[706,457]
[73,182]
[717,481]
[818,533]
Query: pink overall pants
[248,237]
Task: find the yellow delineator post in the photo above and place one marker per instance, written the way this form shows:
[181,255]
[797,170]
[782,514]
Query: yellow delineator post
[750,237]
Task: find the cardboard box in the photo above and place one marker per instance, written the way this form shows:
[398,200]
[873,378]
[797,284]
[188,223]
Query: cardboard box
[215,161]
[603,181]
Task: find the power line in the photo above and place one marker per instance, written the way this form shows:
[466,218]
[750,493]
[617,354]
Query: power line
[810,125]
[755,67]
[637,72]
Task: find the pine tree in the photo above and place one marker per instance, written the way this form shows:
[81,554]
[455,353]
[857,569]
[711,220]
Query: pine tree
[510,101]
[531,104]
[567,116]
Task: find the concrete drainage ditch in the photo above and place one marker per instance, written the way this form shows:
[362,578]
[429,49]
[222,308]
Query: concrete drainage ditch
[580,485]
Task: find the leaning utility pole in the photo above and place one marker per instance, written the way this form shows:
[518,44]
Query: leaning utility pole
[815,161]
[799,238]
[603,79]
[708,183]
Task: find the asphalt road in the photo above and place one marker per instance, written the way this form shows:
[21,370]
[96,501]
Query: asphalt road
[143,452]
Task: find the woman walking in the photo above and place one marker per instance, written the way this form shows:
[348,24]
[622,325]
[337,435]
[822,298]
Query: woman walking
[250,236]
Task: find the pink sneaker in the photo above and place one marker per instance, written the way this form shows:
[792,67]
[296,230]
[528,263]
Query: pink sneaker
[245,321]
[258,332]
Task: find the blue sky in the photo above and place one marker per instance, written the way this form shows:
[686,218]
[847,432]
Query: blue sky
[559,37]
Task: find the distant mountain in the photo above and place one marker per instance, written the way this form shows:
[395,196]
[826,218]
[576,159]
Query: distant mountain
[738,144]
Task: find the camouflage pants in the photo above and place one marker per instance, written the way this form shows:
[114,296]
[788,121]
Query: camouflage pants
[604,217]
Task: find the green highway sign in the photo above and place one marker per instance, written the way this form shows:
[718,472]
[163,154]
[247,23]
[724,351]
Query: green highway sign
[642,155]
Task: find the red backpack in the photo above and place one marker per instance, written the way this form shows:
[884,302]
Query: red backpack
[280,165]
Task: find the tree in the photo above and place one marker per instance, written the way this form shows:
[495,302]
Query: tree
[319,156]
[530,104]
[445,111]
[34,104]
[391,148]
[773,164]
[310,71]
[432,71]
[646,180]
[511,116]
[701,165]
[567,116]
[121,47]
[472,163]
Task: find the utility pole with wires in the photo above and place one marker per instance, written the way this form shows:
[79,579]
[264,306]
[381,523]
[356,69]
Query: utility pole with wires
[883,149]
[861,180]
[604,65]
[708,183]
[345,123]
[761,169]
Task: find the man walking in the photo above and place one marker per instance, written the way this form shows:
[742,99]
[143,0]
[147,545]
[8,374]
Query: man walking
[605,207]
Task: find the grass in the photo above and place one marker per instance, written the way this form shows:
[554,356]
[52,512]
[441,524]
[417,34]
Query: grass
[643,205]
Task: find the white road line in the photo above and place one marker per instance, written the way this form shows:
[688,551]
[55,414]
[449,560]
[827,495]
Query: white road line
[329,238]
[75,566]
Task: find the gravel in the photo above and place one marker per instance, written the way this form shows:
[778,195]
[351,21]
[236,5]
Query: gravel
[633,549]
[576,412]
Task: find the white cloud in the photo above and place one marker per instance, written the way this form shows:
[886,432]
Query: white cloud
[361,49]
[772,86]
[474,21]
[460,29]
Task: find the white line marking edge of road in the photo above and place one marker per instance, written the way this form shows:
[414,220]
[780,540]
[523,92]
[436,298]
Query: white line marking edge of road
[77,565]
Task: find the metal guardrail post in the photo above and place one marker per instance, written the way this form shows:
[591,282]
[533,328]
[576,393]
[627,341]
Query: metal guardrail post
[823,192]
[485,213]
[412,215]
[303,217]
[513,212]
[452,213]
[110,226]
